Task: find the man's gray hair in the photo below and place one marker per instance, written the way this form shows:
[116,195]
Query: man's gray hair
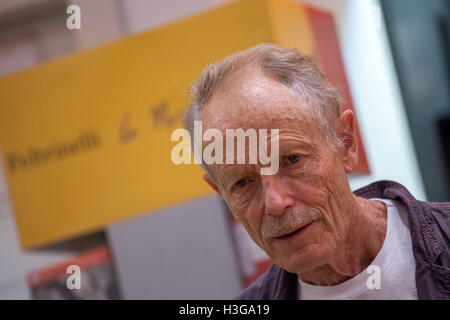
[287,66]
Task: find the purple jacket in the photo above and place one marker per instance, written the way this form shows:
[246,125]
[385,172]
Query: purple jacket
[430,235]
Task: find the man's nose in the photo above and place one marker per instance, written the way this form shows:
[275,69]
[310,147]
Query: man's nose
[277,198]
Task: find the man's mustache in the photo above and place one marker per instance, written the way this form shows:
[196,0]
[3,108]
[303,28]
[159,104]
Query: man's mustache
[273,227]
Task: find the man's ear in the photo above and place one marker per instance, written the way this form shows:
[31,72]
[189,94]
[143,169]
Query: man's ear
[347,134]
[211,182]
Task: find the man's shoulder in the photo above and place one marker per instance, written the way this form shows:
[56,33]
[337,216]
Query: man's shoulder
[430,221]
[433,212]
[439,207]
[440,215]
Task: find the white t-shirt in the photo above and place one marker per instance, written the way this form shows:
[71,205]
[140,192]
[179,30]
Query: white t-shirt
[391,275]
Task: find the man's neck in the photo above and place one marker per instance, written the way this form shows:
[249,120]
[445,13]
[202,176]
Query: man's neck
[369,218]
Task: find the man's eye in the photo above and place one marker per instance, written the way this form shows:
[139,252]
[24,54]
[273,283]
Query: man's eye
[241,183]
[293,158]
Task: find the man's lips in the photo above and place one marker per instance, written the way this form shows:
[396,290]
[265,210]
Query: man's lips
[293,232]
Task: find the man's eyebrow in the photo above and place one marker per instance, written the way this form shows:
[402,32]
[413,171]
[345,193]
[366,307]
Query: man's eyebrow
[306,145]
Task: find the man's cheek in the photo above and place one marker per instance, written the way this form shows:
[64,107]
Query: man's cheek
[254,233]
[248,220]
[319,184]
[309,191]
[237,205]
[254,225]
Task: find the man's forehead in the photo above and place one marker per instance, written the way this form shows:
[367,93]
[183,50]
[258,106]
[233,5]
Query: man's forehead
[253,101]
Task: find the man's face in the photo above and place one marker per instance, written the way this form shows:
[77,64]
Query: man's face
[299,215]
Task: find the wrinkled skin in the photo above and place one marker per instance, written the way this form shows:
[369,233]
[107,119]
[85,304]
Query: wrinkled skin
[346,232]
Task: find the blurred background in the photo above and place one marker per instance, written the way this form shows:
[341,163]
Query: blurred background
[86,115]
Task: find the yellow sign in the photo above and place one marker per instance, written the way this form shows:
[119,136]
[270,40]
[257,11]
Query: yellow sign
[85,140]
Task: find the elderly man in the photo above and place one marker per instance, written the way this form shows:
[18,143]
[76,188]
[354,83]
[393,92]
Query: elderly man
[326,242]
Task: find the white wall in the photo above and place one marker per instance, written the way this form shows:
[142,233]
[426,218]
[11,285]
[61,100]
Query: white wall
[140,15]
[101,22]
